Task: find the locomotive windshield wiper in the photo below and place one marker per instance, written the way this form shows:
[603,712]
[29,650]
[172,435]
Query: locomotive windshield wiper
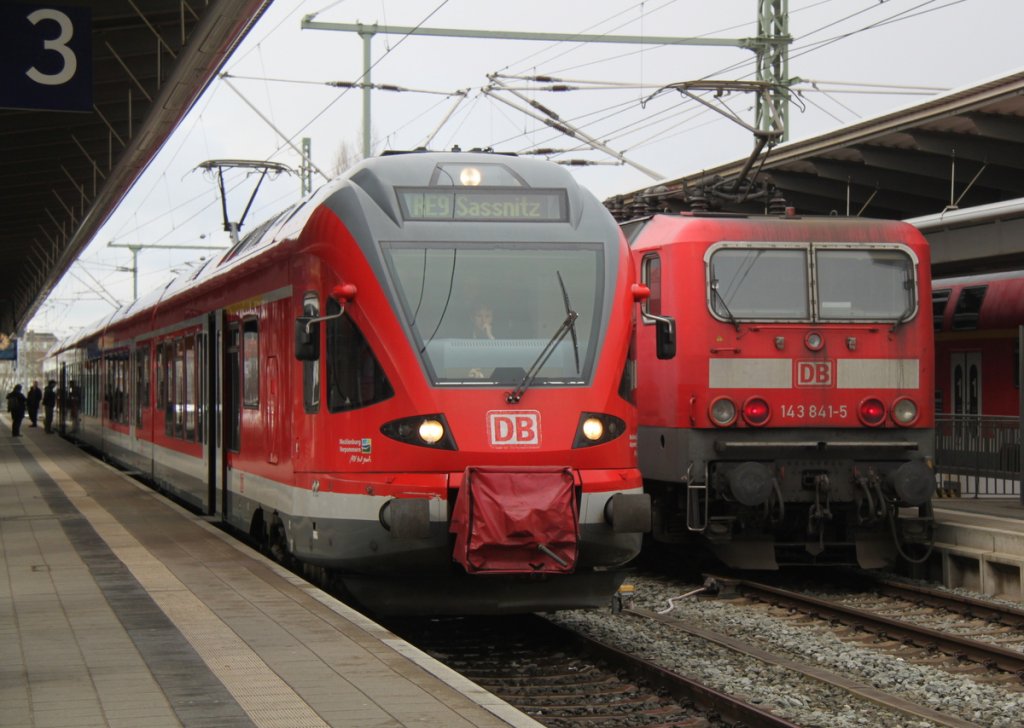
[728,313]
[904,317]
[569,324]
[572,324]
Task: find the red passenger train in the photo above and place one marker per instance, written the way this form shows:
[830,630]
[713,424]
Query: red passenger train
[785,387]
[417,382]
[977,343]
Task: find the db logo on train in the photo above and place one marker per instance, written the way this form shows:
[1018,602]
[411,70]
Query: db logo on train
[514,428]
[814,374]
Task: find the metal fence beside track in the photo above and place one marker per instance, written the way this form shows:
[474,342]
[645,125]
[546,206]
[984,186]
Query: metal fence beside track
[977,456]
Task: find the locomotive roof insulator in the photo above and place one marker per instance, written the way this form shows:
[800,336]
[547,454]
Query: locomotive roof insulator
[777,206]
[699,202]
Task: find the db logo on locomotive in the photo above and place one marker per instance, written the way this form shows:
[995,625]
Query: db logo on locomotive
[514,428]
[814,373]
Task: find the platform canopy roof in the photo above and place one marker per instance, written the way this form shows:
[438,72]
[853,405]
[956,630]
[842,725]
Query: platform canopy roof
[63,171]
[962,149]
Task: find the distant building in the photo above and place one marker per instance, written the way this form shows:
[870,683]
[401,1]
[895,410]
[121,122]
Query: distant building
[28,365]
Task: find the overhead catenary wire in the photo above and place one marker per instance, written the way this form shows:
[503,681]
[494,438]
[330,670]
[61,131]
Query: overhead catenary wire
[613,123]
[897,17]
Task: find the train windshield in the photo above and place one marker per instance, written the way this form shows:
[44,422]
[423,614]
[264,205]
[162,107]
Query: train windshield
[484,314]
[875,285]
[744,283]
[845,284]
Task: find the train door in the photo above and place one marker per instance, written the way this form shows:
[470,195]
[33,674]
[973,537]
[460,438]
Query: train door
[210,429]
[62,400]
[965,382]
[304,423]
[965,395]
[230,401]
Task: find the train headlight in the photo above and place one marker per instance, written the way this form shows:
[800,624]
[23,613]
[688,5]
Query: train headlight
[424,430]
[592,428]
[871,412]
[595,428]
[722,412]
[431,431]
[756,411]
[904,412]
[470,176]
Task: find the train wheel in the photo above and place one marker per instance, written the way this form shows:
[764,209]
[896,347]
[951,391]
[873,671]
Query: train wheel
[277,541]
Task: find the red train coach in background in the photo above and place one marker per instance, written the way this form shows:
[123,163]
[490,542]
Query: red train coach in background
[785,386]
[977,343]
[416,382]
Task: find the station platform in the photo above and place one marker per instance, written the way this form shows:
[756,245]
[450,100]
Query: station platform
[118,608]
[979,545]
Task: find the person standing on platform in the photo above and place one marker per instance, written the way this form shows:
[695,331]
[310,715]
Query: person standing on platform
[16,406]
[32,399]
[49,402]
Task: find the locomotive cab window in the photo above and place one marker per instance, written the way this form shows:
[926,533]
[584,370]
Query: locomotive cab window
[826,282]
[311,368]
[742,283]
[355,377]
[864,285]
[484,314]
[650,276]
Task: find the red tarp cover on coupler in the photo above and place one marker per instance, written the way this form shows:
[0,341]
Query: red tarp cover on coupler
[516,521]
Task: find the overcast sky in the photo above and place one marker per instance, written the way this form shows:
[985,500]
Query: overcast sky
[855,59]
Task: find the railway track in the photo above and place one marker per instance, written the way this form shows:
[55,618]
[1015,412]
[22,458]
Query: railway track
[828,677]
[892,611]
[564,679]
[811,669]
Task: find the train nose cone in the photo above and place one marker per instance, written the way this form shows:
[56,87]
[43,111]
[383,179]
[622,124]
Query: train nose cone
[913,482]
[750,483]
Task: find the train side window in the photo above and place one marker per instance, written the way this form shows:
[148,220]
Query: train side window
[968,307]
[354,376]
[169,388]
[202,381]
[311,369]
[161,379]
[189,400]
[180,375]
[119,396]
[232,410]
[1016,364]
[650,276]
[250,364]
[939,300]
[91,387]
[141,382]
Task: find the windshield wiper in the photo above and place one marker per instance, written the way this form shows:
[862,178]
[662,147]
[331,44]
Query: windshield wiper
[904,317]
[908,285]
[728,313]
[572,324]
[569,324]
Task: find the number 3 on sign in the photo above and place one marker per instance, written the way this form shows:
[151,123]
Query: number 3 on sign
[58,45]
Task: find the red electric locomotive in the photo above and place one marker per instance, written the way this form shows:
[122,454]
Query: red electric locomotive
[417,382]
[785,387]
[977,344]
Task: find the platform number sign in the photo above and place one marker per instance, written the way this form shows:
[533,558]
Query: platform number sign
[46,61]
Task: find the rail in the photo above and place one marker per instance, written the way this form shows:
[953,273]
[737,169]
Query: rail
[977,456]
